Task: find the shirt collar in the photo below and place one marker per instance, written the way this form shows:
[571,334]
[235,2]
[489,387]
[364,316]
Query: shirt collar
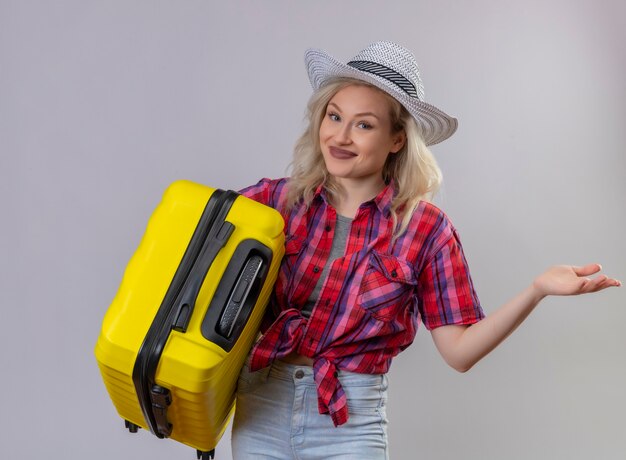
[382,200]
[385,197]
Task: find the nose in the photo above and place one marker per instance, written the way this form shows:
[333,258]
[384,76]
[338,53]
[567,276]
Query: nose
[343,134]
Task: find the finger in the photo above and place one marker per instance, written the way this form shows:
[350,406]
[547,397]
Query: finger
[587,270]
[597,283]
[606,283]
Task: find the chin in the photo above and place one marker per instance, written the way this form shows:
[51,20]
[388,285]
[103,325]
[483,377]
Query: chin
[337,172]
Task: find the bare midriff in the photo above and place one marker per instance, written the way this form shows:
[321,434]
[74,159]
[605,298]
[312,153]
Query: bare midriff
[297,359]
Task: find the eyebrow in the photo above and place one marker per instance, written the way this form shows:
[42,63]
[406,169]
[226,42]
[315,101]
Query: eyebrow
[362,114]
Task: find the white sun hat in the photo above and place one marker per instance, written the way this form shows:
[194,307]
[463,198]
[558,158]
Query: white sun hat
[393,69]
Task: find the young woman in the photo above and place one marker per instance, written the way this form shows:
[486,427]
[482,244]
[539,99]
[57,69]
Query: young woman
[366,256]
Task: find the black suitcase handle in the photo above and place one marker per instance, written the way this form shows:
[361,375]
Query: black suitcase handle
[237,293]
[235,309]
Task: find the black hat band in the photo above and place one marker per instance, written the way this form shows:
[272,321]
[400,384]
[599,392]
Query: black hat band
[386,73]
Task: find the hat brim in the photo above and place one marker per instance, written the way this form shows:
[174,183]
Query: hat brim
[436,126]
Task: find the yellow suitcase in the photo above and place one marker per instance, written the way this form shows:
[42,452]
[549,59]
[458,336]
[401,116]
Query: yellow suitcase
[187,312]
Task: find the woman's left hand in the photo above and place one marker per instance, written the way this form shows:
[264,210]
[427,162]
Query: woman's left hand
[463,346]
[571,280]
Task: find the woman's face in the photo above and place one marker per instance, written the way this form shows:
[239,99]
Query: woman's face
[356,135]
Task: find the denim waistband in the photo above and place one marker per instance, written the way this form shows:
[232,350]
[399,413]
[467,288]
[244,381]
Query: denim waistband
[303,375]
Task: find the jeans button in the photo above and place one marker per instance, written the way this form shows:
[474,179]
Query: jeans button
[299,374]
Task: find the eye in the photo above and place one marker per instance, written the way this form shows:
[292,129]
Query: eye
[364,125]
[333,116]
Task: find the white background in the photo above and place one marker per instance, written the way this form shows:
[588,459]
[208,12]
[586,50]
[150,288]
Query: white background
[104,103]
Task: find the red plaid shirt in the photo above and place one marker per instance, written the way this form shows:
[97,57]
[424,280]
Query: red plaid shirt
[368,307]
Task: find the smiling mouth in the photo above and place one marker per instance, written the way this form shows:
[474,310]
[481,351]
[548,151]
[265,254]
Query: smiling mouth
[340,154]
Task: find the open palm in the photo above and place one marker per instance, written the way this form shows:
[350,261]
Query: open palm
[572,280]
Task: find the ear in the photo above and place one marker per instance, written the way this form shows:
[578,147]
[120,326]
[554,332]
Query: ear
[398,141]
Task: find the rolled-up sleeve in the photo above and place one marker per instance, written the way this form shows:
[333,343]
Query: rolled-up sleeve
[446,293]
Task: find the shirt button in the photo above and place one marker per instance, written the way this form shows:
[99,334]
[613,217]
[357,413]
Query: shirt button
[394,273]
[328,228]
[316,269]
[299,374]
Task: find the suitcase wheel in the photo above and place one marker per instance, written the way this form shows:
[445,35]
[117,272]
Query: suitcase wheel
[131,426]
[206,455]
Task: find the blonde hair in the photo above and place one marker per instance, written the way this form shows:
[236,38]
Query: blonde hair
[413,169]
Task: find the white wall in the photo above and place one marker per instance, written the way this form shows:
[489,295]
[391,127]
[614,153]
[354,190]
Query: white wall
[103,103]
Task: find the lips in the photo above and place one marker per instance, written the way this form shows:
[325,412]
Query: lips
[340,154]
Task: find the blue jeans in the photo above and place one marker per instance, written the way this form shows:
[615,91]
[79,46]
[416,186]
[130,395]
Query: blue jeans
[277,417]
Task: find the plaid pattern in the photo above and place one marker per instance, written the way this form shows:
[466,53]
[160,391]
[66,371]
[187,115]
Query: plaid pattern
[369,305]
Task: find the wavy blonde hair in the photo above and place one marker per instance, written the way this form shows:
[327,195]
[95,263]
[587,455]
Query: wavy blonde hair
[413,169]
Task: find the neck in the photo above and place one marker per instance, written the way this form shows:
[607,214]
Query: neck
[355,193]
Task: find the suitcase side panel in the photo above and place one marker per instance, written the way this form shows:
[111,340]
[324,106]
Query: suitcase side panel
[145,281]
[210,236]
[201,375]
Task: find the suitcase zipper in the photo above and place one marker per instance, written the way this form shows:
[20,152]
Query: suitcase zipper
[210,235]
